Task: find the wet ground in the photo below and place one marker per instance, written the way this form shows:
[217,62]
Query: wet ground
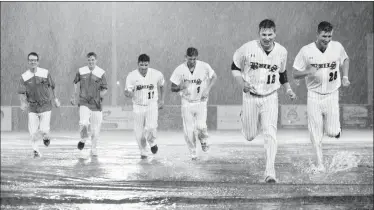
[229,176]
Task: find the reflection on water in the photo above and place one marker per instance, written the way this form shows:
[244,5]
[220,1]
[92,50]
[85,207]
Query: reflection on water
[229,176]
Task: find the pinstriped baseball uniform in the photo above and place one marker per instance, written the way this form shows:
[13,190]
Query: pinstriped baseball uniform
[90,108]
[194,110]
[323,93]
[260,109]
[145,106]
[37,88]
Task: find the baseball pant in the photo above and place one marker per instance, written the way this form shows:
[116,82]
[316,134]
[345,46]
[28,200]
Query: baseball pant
[38,122]
[194,124]
[323,118]
[90,119]
[261,112]
[145,125]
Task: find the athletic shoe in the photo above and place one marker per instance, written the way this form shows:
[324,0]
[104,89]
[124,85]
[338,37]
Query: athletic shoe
[37,154]
[80,145]
[154,149]
[46,142]
[204,147]
[270,179]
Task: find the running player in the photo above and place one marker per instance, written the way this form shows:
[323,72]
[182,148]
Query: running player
[142,86]
[37,91]
[93,86]
[259,67]
[193,80]
[320,63]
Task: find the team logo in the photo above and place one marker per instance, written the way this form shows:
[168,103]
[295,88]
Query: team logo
[198,81]
[274,68]
[151,86]
[138,87]
[333,65]
[254,65]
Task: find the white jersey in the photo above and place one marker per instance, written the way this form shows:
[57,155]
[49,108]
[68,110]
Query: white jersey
[327,78]
[258,68]
[196,81]
[145,88]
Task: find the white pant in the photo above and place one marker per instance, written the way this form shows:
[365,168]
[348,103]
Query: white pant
[323,115]
[90,119]
[194,123]
[261,113]
[145,125]
[38,122]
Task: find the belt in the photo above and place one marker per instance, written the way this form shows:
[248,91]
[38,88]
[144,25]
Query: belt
[257,95]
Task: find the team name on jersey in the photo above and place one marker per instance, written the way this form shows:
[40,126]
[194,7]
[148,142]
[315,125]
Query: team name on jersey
[255,65]
[140,87]
[197,81]
[331,65]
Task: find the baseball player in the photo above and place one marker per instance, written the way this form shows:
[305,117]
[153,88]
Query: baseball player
[93,86]
[259,67]
[194,79]
[319,63]
[36,92]
[142,86]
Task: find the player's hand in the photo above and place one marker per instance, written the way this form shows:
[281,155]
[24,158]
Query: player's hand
[249,88]
[57,103]
[160,104]
[183,85]
[345,82]
[129,93]
[24,106]
[72,100]
[291,94]
[205,95]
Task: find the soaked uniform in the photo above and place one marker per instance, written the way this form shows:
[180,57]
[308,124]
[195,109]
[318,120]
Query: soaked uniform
[260,109]
[323,87]
[145,106]
[90,102]
[194,110]
[38,88]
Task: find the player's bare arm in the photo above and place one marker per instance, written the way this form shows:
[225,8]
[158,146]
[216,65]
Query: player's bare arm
[161,98]
[302,74]
[345,69]
[206,92]
[177,88]
[75,93]
[24,104]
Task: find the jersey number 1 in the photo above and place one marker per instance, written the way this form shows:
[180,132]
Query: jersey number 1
[151,94]
[271,79]
[198,89]
[333,76]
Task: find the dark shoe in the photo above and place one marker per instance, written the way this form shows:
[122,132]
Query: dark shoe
[154,149]
[337,136]
[204,147]
[80,145]
[270,179]
[143,157]
[37,154]
[46,142]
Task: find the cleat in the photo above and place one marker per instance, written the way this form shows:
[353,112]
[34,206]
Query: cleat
[37,154]
[154,149]
[80,145]
[337,136]
[46,142]
[270,179]
[204,147]
[143,157]
[193,157]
